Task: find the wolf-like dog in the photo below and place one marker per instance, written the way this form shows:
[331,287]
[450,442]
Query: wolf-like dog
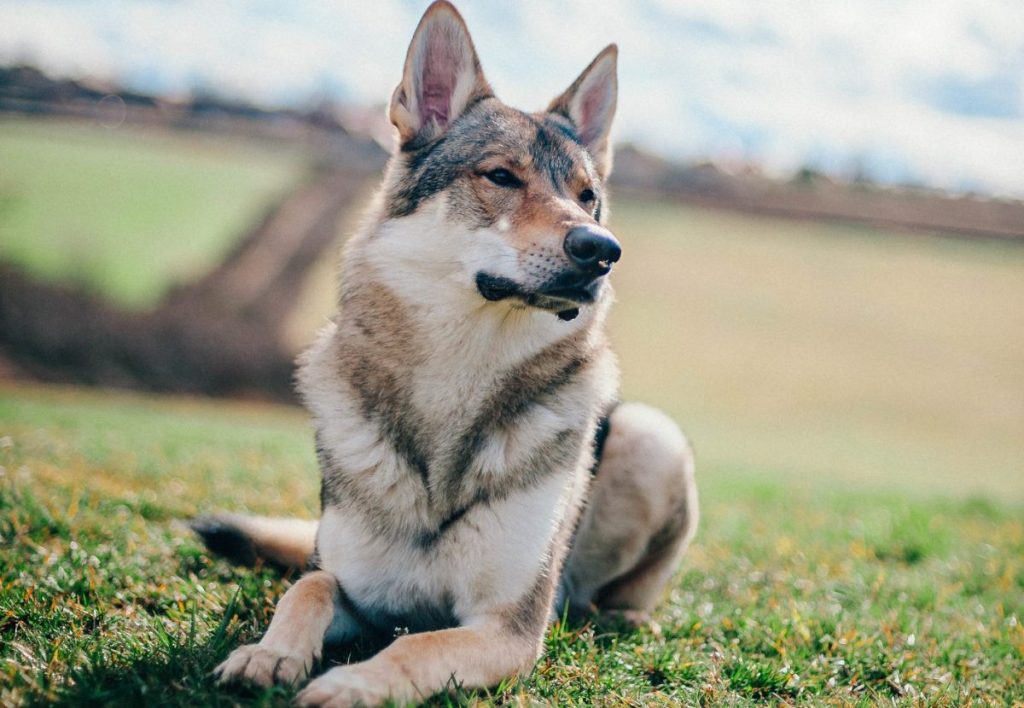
[479,475]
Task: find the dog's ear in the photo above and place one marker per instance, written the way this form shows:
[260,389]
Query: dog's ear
[590,104]
[442,76]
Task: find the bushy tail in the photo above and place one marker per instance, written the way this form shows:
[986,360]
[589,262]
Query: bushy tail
[287,543]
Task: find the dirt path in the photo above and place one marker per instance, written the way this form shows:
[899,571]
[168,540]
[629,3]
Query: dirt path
[220,335]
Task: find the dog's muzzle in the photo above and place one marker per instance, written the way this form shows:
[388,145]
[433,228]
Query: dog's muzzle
[591,251]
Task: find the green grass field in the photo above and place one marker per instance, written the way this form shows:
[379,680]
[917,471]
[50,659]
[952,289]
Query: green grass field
[128,212]
[856,399]
[789,594]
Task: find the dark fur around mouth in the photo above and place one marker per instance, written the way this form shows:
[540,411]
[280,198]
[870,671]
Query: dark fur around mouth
[494,287]
[563,296]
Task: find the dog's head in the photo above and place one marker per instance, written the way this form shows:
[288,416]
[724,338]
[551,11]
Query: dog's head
[505,204]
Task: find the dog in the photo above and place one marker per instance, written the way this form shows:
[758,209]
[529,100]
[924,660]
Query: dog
[479,475]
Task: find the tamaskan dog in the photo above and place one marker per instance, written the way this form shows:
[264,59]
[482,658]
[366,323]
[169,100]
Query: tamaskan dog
[480,476]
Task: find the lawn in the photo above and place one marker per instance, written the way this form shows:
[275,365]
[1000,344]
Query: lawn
[791,592]
[128,212]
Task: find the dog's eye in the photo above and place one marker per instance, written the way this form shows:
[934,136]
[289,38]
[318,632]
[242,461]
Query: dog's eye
[503,178]
[587,196]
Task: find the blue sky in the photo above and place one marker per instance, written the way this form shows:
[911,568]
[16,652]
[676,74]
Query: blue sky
[928,91]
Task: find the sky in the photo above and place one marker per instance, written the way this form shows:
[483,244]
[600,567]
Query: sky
[925,92]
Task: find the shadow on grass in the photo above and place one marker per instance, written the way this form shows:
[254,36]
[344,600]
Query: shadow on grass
[177,671]
[174,672]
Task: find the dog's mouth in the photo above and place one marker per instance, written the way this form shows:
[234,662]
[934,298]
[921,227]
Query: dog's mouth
[563,296]
[495,288]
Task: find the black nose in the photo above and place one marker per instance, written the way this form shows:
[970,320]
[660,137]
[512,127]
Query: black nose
[592,248]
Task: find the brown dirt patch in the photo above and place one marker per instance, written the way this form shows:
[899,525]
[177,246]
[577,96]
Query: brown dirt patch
[220,335]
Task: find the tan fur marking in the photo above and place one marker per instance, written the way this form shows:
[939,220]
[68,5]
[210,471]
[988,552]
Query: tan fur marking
[642,513]
[545,217]
[641,587]
[415,666]
[294,640]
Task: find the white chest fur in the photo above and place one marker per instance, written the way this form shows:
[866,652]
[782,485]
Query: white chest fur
[489,560]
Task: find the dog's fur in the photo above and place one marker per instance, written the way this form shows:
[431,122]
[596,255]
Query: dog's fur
[477,471]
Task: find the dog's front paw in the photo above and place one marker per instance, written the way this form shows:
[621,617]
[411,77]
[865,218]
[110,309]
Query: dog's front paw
[353,685]
[263,666]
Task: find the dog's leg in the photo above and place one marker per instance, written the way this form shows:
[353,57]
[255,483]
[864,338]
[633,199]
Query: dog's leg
[640,516]
[416,666]
[309,610]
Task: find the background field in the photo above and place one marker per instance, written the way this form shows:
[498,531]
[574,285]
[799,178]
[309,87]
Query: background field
[129,212]
[855,396]
[827,355]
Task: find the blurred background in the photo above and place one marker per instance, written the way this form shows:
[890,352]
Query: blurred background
[820,205]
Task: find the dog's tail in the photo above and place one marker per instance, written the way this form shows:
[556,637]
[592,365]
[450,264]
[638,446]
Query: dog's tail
[286,543]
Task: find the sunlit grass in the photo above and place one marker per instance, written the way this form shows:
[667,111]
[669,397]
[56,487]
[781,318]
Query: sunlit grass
[788,594]
[129,212]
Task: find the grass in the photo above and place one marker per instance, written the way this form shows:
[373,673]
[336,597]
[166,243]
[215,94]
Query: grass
[128,212]
[804,594]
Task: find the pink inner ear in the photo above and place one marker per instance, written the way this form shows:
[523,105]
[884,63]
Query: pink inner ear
[593,109]
[437,84]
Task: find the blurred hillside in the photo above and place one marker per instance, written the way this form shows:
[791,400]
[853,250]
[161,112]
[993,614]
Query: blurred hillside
[809,194]
[360,137]
[26,91]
